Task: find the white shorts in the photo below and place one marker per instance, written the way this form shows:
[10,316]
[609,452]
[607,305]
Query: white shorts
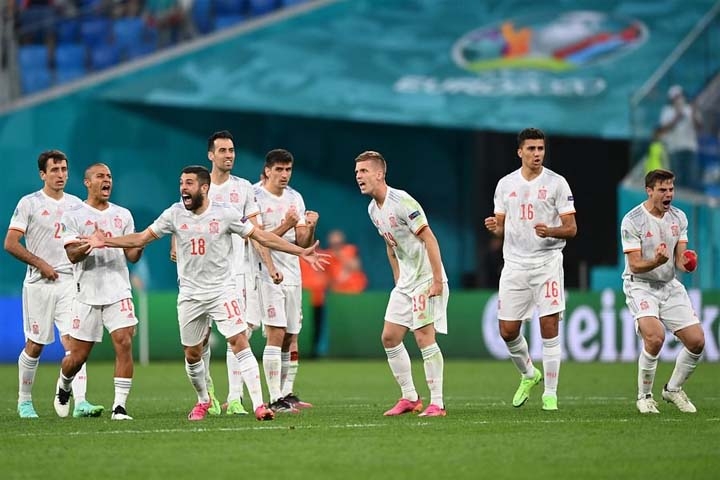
[88,320]
[247,285]
[46,304]
[281,306]
[417,310]
[668,302]
[521,290]
[196,316]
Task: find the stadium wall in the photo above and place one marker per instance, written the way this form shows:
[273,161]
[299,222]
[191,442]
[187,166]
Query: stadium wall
[596,327]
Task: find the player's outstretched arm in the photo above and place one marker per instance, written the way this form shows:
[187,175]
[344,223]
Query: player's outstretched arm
[131,240]
[272,241]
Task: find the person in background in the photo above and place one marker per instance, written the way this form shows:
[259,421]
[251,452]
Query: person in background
[680,122]
[316,283]
[345,270]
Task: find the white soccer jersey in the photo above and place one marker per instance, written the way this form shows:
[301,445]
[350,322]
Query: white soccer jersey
[525,204]
[644,232]
[399,221]
[103,277]
[204,246]
[273,209]
[39,218]
[239,193]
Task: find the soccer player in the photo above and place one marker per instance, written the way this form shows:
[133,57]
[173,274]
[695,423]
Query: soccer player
[283,213]
[419,300]
[103,296]
[238,192]
[48,288]
[535,214]
[654,239]
[203,231]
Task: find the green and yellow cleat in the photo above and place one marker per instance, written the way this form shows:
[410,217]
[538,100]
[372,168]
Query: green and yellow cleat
[235,407]
[523,392]
[87,409]
[549,403]
[215,408]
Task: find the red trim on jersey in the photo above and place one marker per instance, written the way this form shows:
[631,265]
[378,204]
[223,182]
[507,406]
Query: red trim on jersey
[17,230]
[567,213]
[417,232]
[153,233]
[632,250]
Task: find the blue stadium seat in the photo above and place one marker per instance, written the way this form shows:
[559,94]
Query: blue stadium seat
[288,3]
[225,21]
[33,80]
[70,56]
[201,13]
[104,56]
[68,30]
[32,57]
[140,50]
[229,7]
[128,32]
[95,31]
[260,7]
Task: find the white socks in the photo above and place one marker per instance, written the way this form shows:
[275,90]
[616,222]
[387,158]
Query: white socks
[551,353]
[289,371]
[272,365]
[27,367]
[399,362]
[122,390]
[520,355]
[235,379]
[684,367]
[251,375]
[647,365]
[434,364]
[196,374]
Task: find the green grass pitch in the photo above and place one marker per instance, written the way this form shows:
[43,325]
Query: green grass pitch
[597,433]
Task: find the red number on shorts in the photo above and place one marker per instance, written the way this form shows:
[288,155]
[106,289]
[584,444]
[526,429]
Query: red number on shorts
[419,303]
[551,289]
[58,228]
[526,211]
[197,246]
[126,305]
[233,308]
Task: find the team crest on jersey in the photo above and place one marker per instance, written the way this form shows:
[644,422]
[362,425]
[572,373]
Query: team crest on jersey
[234,197]
[214,227]
[393,222]
[542,194]
[675,230]
[117,221]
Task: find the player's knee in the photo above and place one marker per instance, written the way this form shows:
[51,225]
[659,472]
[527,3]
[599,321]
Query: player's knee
[654,342]
[509,331]
[696,345]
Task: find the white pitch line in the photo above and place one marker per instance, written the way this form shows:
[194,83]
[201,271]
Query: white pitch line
[349,426]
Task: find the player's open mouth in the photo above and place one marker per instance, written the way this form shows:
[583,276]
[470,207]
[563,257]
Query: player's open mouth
[105,187]
[667,202]
[186,198]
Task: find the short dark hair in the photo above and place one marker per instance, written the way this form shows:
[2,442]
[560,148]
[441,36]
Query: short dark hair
[56,155]
[215,136]
[530,134]
[203,174]
[278,155]
[90,167]
[654,177]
